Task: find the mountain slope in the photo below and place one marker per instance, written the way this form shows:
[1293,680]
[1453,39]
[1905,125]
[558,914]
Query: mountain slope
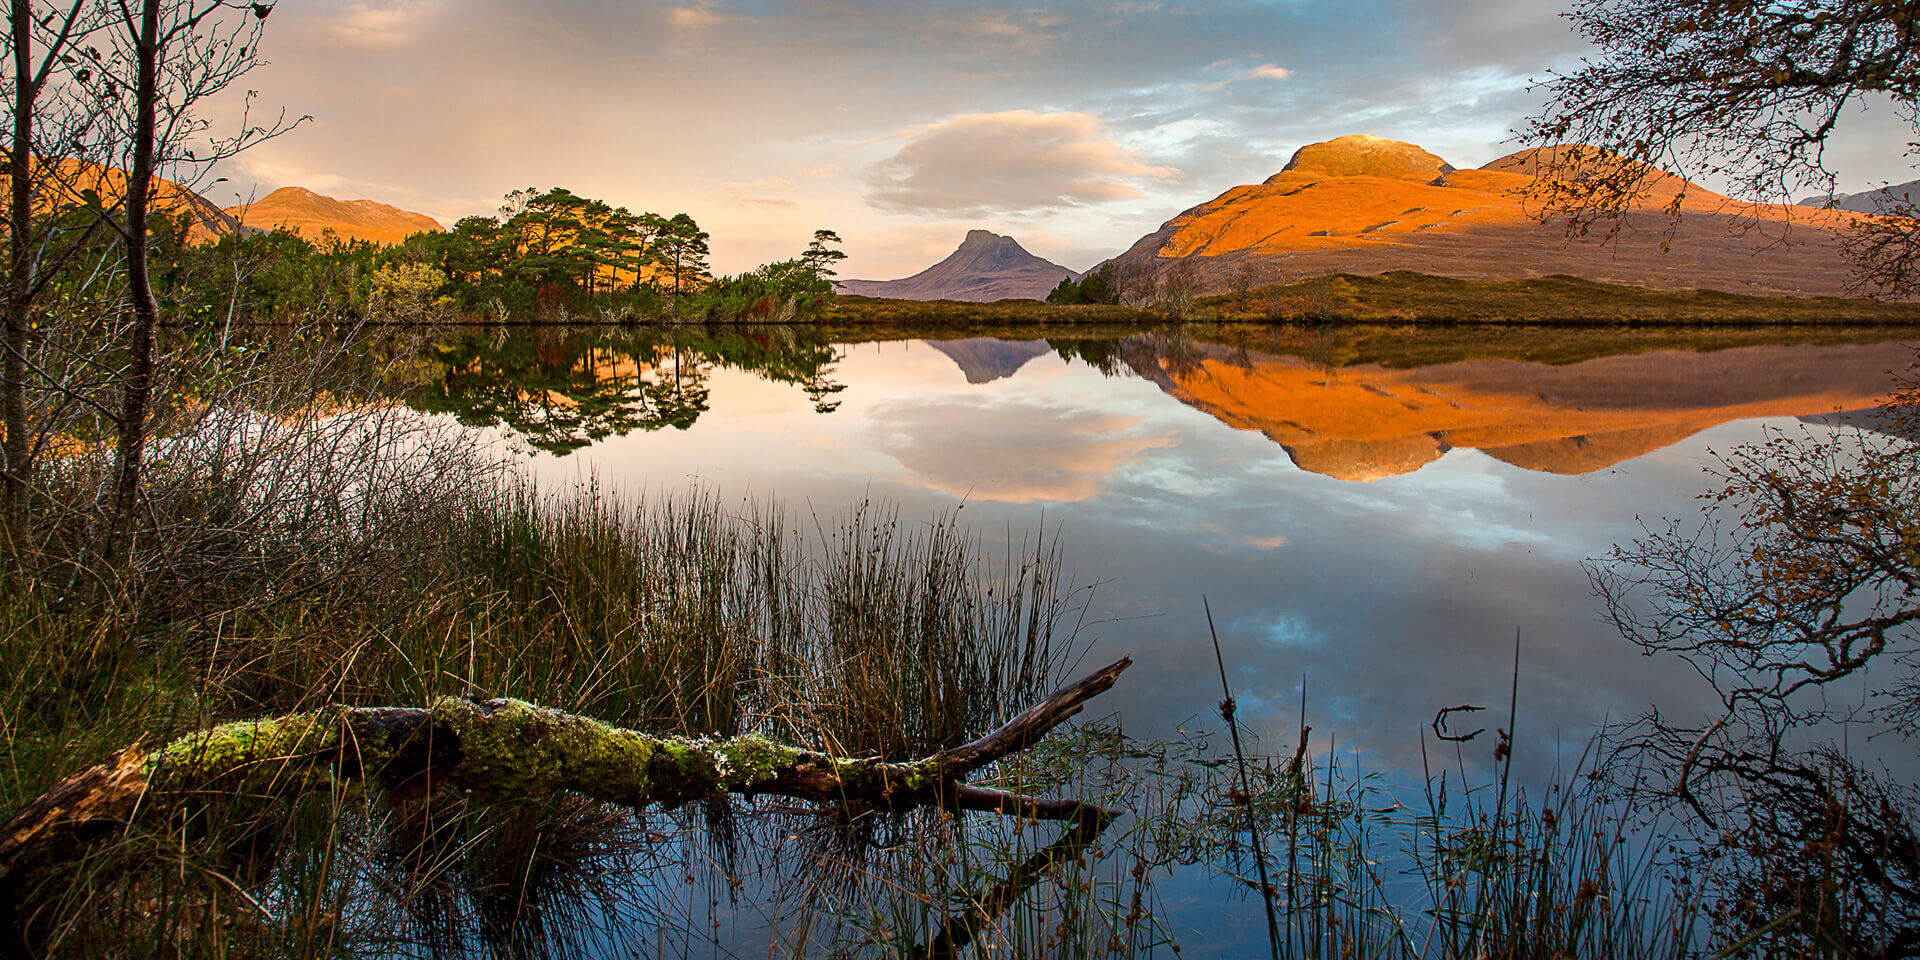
[72,180]
[1360,204]
[985,268]
[312,215]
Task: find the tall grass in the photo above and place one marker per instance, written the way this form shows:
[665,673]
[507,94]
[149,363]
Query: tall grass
[862,633]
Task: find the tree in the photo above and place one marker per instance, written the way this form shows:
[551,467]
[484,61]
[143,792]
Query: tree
[505,752]
[167,58]
[1803,578]
[1100,286]
[1742,91]
[823,253]
[681,248]
[51,34]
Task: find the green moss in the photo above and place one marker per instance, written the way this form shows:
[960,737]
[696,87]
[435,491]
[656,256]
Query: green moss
[274,748]
[506,754]
[610,763]
[684,769]
[746,762]
[519,752]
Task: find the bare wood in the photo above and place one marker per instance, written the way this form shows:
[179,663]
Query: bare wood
[509,751]
[137,392]
[1026,729]
[100,798]
[963,928]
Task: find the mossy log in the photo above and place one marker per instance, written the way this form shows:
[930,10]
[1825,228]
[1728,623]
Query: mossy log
[503,751]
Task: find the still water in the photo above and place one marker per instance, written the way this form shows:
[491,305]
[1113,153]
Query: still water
[1372,515]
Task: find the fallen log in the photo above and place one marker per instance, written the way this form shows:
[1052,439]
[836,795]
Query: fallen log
[506,751]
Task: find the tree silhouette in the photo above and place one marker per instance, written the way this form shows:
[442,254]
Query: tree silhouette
[1744,91]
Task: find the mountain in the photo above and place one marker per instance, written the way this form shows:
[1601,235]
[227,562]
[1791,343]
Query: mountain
[311,215]
[987,267]
[1887,199]
[984,359]
[1368,205]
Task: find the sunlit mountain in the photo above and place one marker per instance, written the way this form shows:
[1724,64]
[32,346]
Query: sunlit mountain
[1366,204]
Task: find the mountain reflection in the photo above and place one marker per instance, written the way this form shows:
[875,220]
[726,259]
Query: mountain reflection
[1355,404]
[1361,420]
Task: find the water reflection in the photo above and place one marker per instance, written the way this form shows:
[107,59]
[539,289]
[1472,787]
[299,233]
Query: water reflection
[1228,463]
[1372,514]
[1339,404]
[1364,421]
[561,389]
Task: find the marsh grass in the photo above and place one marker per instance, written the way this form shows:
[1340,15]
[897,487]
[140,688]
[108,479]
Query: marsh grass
[859,631]
[1473,868]
[862,633]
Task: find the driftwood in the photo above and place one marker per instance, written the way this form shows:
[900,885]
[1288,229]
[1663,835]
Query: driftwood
[503,751]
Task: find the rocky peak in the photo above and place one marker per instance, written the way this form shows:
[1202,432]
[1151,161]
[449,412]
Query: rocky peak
[1365,155]
[985,267]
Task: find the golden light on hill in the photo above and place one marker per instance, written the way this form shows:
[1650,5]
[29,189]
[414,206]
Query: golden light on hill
[81,183]
[1366,205]
[313,216]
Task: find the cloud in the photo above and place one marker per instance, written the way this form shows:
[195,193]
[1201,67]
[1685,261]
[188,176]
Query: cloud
[1011,161]
[381,26]
[1268,71]
[763,193]
[693,16]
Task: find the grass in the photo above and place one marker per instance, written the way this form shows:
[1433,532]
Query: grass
[1403,296]
[861,633]
[1406,296]
[1407,346]
[879,311]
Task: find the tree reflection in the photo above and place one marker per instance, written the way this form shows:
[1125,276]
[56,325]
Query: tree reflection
[1797,599]
[561,389]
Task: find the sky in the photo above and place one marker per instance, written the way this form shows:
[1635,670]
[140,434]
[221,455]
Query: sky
[1075,127]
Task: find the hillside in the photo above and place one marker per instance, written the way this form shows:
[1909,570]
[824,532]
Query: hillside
[985,268]
[311,215]
[1368,205]
[74,179]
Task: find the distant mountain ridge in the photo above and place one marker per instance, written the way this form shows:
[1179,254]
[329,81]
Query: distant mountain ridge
[1887,199]
[985,268]
[312,215]
[1366,204]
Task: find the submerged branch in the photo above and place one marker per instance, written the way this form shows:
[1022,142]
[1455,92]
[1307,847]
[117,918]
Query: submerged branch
[508,751]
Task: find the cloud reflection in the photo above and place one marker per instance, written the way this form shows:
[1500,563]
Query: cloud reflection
[1017,451]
